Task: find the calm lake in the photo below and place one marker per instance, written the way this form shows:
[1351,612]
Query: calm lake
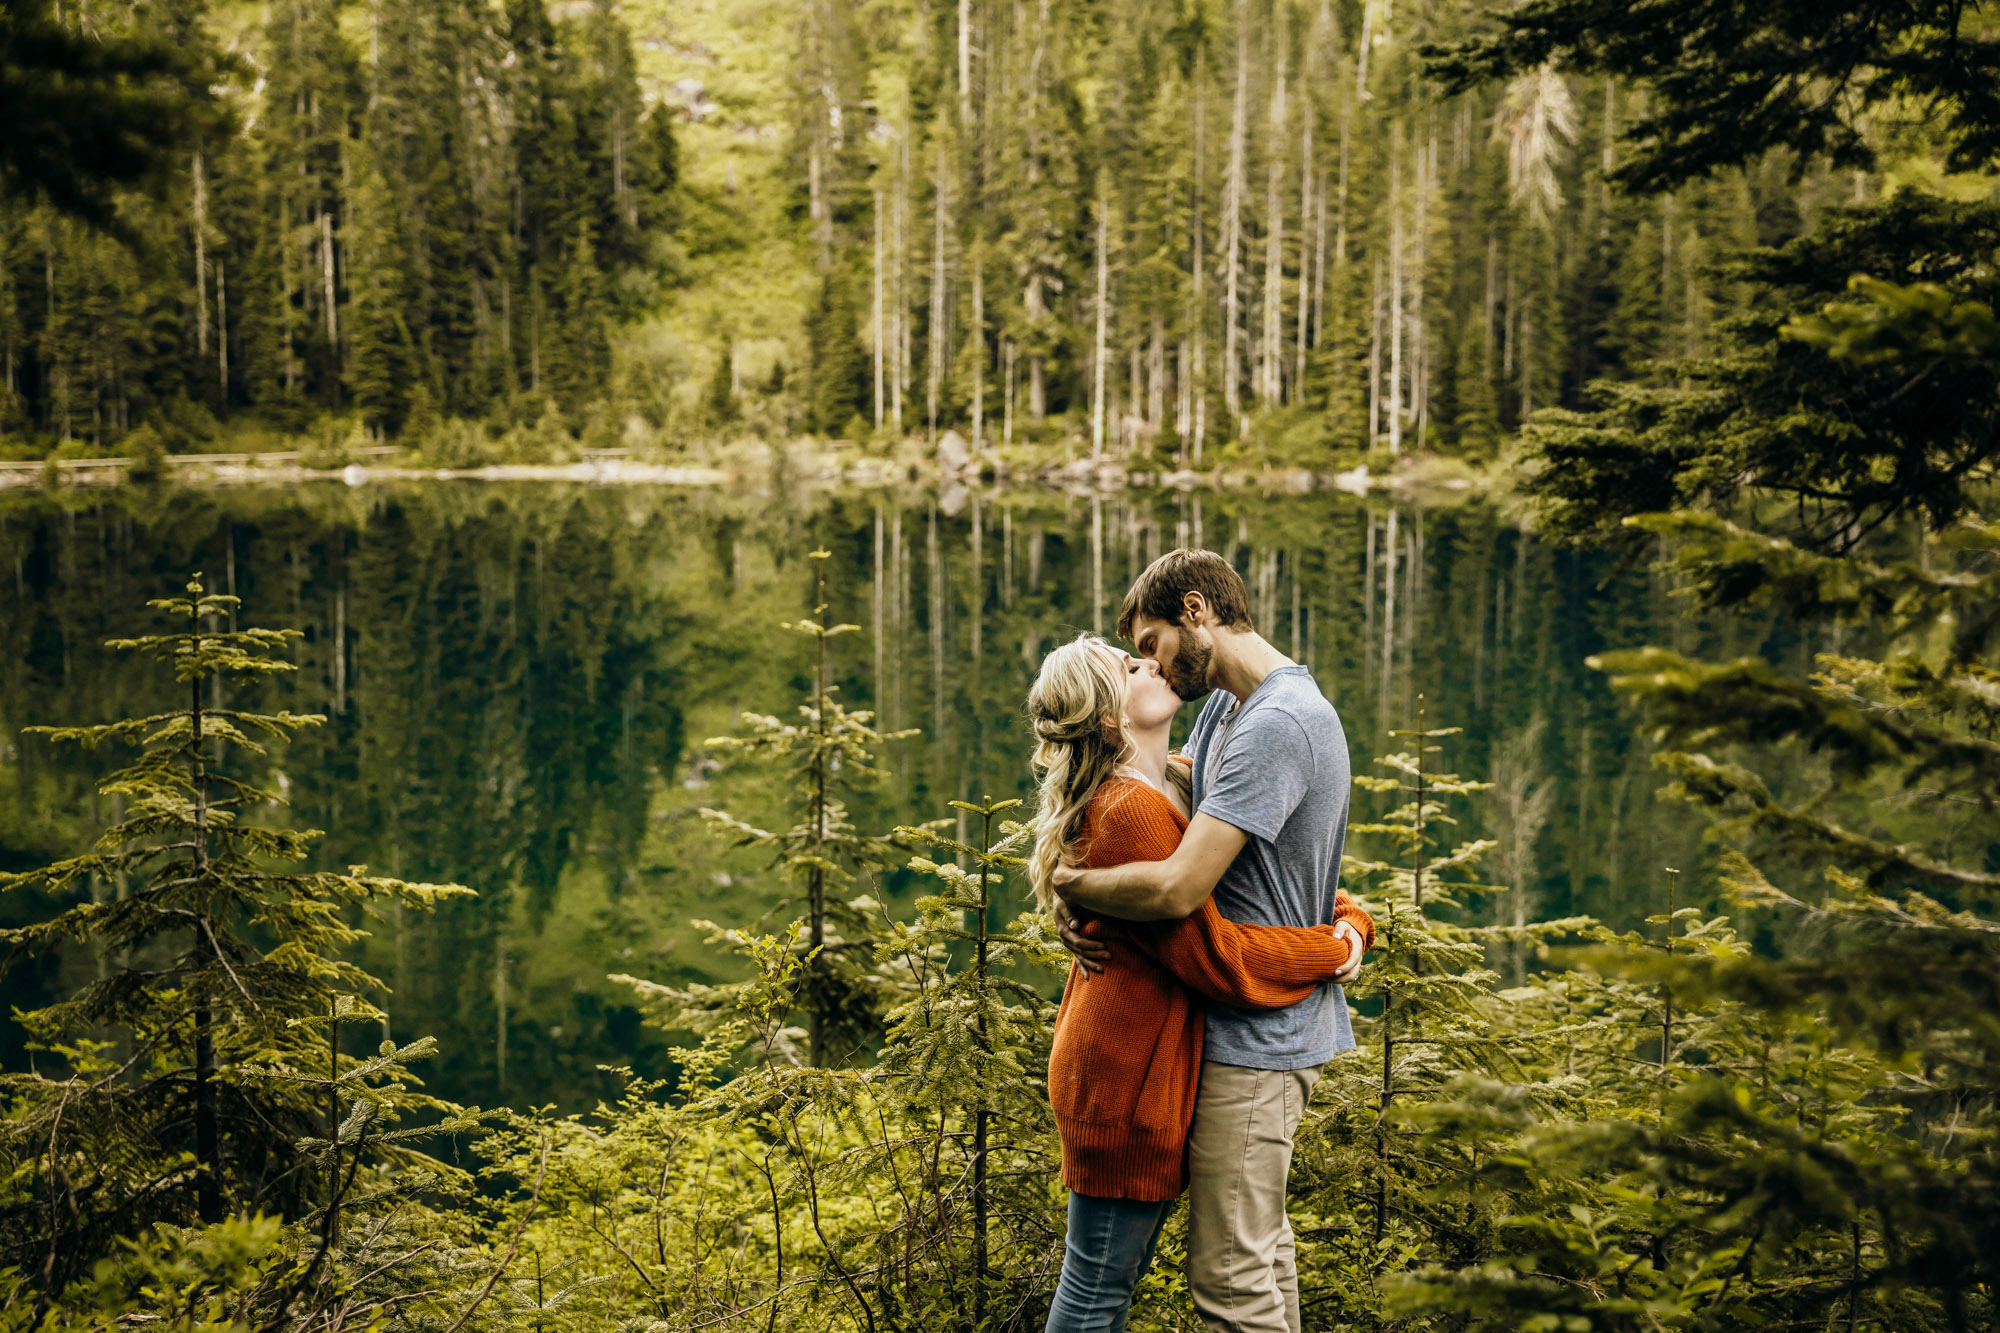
[518,678]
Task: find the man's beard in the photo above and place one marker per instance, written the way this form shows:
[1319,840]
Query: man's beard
[1187,674]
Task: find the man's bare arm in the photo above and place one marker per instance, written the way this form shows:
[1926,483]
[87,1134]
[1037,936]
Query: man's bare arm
[1158,890]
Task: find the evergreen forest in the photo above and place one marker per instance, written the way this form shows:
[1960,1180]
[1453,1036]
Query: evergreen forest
[1700,292]
[1315,231]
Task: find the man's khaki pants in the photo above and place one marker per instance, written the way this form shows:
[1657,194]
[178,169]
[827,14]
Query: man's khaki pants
[1242,1270]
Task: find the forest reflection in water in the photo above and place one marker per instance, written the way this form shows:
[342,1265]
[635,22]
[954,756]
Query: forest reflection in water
[517,680]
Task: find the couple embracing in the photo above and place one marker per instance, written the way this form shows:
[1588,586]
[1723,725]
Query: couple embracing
[1199,895]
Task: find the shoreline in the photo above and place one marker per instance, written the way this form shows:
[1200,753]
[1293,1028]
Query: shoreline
[835,466]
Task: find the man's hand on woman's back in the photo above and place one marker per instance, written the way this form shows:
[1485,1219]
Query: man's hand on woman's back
[1091,954]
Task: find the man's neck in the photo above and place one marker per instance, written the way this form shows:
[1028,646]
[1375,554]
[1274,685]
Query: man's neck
[1242,659]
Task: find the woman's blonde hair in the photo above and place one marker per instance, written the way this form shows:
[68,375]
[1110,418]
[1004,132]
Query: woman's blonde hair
[1077,708]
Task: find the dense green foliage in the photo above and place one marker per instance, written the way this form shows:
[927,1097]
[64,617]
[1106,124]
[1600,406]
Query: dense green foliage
[1786,1116]
[217,969]
[1165,229]
[427,213]
[1084,222]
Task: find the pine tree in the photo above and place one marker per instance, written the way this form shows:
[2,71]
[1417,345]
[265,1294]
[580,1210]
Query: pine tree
[967,1052]
[836,366]
[219,958]
[830,750]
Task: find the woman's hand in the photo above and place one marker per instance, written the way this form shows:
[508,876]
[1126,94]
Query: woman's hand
[1343,931]
[1091,954]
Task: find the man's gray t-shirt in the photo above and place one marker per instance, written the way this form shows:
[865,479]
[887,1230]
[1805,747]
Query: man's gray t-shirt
[1278,770]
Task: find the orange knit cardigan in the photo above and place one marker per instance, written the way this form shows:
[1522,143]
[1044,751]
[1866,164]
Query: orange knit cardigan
[1127,1052]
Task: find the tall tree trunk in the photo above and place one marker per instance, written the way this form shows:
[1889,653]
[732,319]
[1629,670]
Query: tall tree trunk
[1305,264]
[1156,378]
[200,256]
[978,349]
[327,276]
[899,334]
[1376,293]
[1183,397]
[1232,223]
[940,334]
[1008,356]
[1609,159]
[1270,350]
[1099,372]
[1034,296]
[1196,424]
[1420,378]
[875,314]
[222,328]
[1128,420]
[1395,406]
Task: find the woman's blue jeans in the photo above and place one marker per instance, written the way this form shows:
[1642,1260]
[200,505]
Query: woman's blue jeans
[1108,1248]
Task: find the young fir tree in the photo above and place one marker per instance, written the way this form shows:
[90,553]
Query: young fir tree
[213,956]
[828,752]
[1428,973]
[967,1062]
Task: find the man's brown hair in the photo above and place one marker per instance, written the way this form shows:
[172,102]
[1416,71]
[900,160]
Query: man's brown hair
[1160,592]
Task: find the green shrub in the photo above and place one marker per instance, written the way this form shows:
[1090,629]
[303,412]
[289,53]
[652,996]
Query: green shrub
[148,452]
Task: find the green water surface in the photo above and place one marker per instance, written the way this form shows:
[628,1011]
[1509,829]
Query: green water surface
[517,679]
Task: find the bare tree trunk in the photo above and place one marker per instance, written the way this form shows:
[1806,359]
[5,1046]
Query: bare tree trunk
[1396,297]
[899,338]
[1270,351]
[1156,378]
[222,328]
[1375,356]
[1195,369]
[200,256]
[1305,265]
[1232,223]
[875,317]
[1421,374]
[1183,397]
[978,349]
[1129,420]
[1609,160]
[939,335]
[1097,355]
[327,274]
[1009,357]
